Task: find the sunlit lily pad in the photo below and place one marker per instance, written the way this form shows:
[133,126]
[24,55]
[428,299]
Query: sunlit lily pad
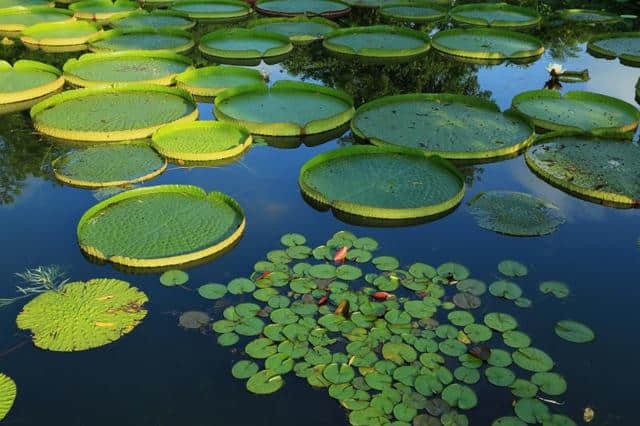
[26,80]
[326,8]
[497,15]
[245,44]
[157,18]
[300,30]
[622,45]
[265,382]
[213,11]
[385,263]
[338,373]
[142,38]
[500,321]
[244,369]
[413,11]
[212,80]
[399,353]
[574,331]
[7,394]
[212,291]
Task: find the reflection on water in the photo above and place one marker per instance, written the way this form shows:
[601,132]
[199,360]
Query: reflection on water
[161,375]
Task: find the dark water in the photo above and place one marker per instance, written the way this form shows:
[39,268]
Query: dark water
[161,374]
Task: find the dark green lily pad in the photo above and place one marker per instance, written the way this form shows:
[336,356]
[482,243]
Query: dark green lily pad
[550,383]
[454,271]
[500,322]
[556,288]
[532,410]
[500,376]
[512,268]
[260,348]
[265,382]
[244,369]
[212,291]
[460,396]
[533,359]
[574,331]
[516,339]
[524,388]
[467,375]
[505,289]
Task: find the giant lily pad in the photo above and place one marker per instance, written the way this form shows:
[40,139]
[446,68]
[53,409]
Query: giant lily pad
[487,44]
[142,39]
[109,165]
[586,16]
[119,68]
[326,8]
[14,20]
[210,81]
[26,81]
[7,394]
[174,224]
[515,213]
[399,184]
[625,46]
[213,10]
[265,382]
[101,10]
[300,30]
[593,168]
[381,42]
[83,315]
[112,114]
[241,43]
[451,126]
[201,140]
[551,110]
[155,19]
[574,331]
[497,15]
[62,35]
[287,108]
[413,11]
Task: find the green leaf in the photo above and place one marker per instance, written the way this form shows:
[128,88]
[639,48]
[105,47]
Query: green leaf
[378,381]
[524,388]
[338,373]
[512,268]
[499,358]
[460,318]
[283,316]
[399,353]
[550,383]
[240,286]
[366,243]
[556,288]
[173,277]
[404,413]
[500,376]
[472,286]
[500,322]
[260,348]
[348,272]
[280,363]
[453,270]
[532,410]
[467,375]
[7,394]
[265,382]
[460,396]
[359,255]
[212,291]
[452,347]
[386,263]
[516,339]
[533,359]
[293,239]
[422,270]
[574,331]
[508,421]
[322,271]
[505,289]
[478,332]
[244,369]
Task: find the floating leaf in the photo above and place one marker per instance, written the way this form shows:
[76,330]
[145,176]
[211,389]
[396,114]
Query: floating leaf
[265,382]
[505,289]
[500,376]
[508,421]
[512,268]
[472,286]
[348,272]
[399,353]
[279,363]
[240,286]
[260,348]
[453,271]
[523,302]
[7,394]
[574,331]
[550,383]
[556,288]
[466,301]
[500,322]
[452,347]
[228,339]
[322,271]
[516,339]
[478,332]
[467,375]
[244,369]
[524,388]
[532,410]
[386,263]
[293,239]
[379,381]
[533,359]
[460,318]
[460,396]
[499,358]
[173,277]
[212,291]
[338,373]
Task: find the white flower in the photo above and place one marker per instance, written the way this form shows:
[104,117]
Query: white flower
[555,68]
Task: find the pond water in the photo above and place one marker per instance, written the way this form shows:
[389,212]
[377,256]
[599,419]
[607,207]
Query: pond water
[161,374]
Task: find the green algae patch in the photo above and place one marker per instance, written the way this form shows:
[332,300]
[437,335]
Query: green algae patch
[201,141]
[497,15]
[210,81]
[112,114]
[515,213]
[101,10]
[83,315]
[380,41]
[487,44]
[599,169]
[8,392]
[159,19]
[109,165]
[218,11]
[577,110]
[300,29]
[240,43]
[59,34]
[625,46]
[126,67]
[142,39]
[160,226]
[413,11]
[382,183]
[14,20]
[324,8]
[451,126]
[26,80]
[287,108]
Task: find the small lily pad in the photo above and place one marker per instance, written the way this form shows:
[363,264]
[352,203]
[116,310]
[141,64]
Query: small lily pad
[260,348]
[338,373]
[533,359]
[574,331]
[460,396]
[212,291]
[550,383]
[500,322]
[460,318]
[467,375]
[556,288]
[244,369]
[500,376]
[279,363]
[228,339]
[524,388]
[265,382]
[174,277]
[453,270]
[512,268]
[240,286]
[532,410]
[293,239]
[386,263]
[516,339]
[505,289]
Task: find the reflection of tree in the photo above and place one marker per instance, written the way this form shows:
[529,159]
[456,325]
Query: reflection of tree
[432,73]
[22,155]
[563,39]
[472,174]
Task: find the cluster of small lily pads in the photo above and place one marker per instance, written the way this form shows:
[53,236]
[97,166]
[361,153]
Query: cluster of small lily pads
[390,344]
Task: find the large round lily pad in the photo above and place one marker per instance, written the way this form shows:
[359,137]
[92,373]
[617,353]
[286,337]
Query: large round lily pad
[497,15]
[265,382]
[101,10]
[126,67]
[109,165]
[210,81]
[59,34]
[382,183]
[142,39]
[7,394]
[515,213]
[213,10]
[551,110]
[155,19]
[625,46]
[574,331]
[413,11]
[26,80]
[201,140]
[112,114]
[451,126]
[160,226]
[14,20]
[83,315]
[587,16]
[533,359]
[325,8]
[287,108]
[381,41]
[487,44]
[594,168]
[300,29]
[241,43]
